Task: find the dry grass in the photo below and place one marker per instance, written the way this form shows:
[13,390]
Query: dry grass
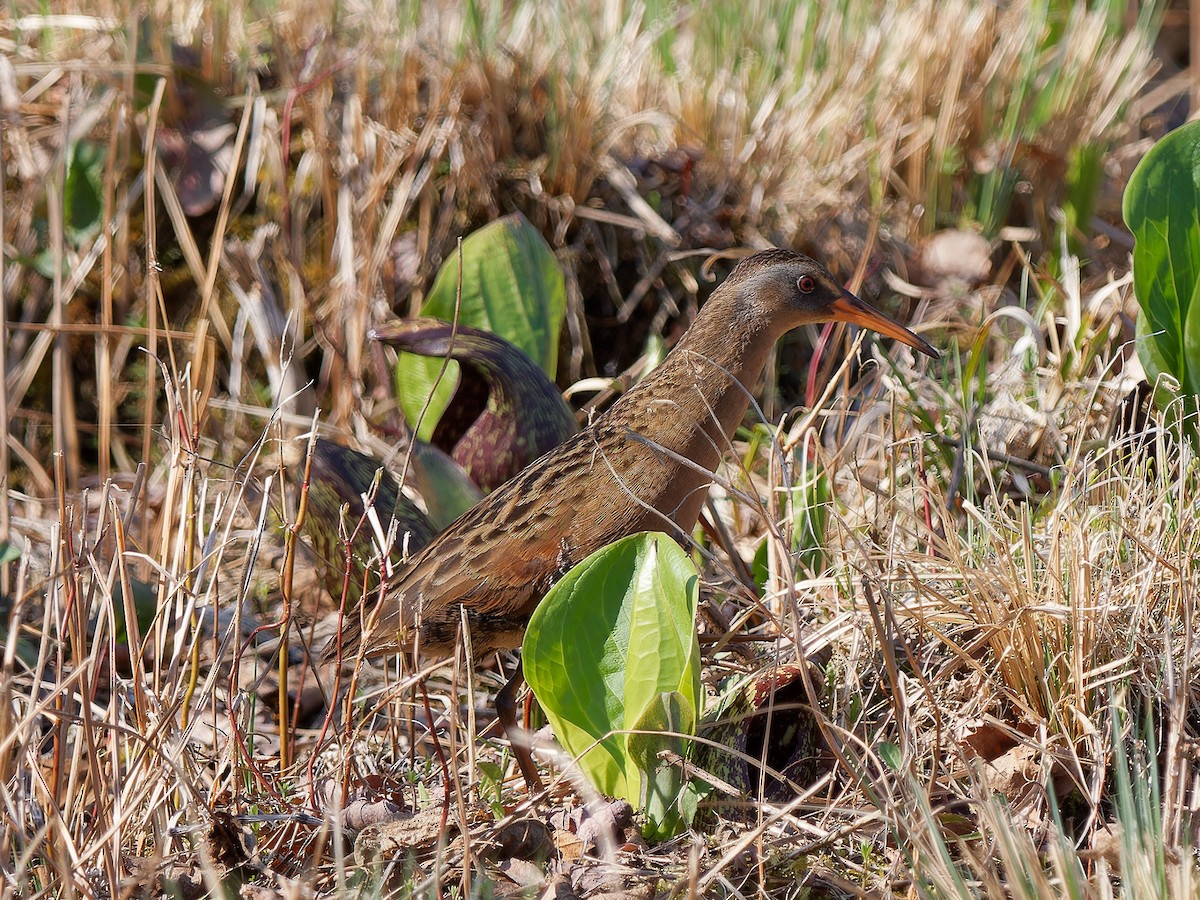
[1005,619]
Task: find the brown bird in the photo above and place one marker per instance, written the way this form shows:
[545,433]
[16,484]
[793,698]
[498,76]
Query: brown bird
[645,464]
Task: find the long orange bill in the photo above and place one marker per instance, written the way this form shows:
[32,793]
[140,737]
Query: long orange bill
[848,308]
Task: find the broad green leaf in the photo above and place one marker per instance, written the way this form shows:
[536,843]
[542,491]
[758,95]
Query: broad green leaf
[9,552]
[666,798]
[616,632]
[892,756]
[1167,392]
[512,286]
[1148,351]
[26,650]
[447,490]
[664,653]
[1191,342]
[1085,177]
[1161,206]
[83,203]
[145,605]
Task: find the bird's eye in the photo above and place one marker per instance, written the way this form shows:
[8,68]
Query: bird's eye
[807,284]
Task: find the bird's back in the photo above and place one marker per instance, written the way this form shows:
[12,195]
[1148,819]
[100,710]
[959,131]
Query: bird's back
[501,557]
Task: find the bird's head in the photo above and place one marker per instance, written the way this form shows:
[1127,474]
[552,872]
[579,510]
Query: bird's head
[790,290]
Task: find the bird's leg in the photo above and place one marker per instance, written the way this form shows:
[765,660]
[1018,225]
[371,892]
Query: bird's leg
[506,712]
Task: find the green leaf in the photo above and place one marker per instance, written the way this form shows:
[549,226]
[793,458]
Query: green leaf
[667,800]
[892,756]
[82,192]
[1191,342]
[491,786]
[145,605]
[9,552]
[1161,206]
[663,652]
[1148,351]
[1085,177]
[446,489]
[83,203]
[512,286]
[612,636]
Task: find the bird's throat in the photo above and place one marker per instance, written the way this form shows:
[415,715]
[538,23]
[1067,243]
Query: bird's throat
[692,403]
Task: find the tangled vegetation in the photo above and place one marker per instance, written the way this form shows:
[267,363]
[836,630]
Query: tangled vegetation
[965,586]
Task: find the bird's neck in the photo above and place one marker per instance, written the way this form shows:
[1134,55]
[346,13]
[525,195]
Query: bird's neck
[693,402]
